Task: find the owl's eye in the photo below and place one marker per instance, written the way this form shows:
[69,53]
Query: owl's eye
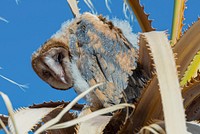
[46,73]
[59,57]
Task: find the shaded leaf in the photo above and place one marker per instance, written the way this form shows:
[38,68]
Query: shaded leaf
[67,117]
[4,118]
[52,104]
[187,47]
[159,128]
[193,110]
[191,90]
[145,59]
[116,122]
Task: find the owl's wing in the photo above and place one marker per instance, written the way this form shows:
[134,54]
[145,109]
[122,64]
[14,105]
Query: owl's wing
[103,54]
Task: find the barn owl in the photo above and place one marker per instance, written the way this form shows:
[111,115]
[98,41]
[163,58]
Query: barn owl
[87,51]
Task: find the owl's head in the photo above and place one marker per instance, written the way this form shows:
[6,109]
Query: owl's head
[53,60]
[51,63]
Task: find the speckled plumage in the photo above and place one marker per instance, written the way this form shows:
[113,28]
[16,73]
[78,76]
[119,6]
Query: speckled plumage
[98,52]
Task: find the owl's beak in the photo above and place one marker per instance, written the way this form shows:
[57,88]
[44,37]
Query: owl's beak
[56,69]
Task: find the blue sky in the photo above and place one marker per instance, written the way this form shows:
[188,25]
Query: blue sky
[32,22]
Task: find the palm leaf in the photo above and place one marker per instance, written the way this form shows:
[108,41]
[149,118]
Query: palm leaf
[191,90]
[141,16]
[187,47]
[177,23]
[192,69]
[149,105]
